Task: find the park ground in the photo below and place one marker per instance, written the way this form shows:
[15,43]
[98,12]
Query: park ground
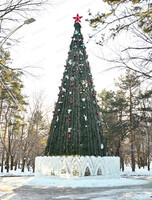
[130,186]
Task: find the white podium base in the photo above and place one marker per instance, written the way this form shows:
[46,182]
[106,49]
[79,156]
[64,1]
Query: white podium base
[71,166]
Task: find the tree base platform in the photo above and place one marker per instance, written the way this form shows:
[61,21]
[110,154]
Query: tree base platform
[70,166]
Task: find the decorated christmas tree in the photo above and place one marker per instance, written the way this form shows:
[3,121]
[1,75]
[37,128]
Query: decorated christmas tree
[76,127]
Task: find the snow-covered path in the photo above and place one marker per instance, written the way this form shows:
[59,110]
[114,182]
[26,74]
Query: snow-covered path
[25,188]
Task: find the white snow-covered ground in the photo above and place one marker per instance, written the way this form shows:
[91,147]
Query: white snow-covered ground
[2,194]
[16,173]
[127,171]
[89,181]
[76,182]
[139,180]
[94,181]
[138,172]
[83,182]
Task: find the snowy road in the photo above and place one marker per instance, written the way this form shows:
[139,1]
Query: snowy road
[16,188]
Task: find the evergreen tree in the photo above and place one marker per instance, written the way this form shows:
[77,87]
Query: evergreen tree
[130,85]
[12,103]
[113,107]
[76,128]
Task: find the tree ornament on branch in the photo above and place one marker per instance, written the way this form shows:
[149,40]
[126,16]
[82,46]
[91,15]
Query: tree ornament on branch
[72,78]
[69,130]
[69,110]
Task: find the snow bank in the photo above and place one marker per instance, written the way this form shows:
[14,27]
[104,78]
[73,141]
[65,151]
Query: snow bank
[77,166]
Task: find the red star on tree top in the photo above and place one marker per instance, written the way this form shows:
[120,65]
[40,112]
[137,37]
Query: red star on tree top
[77,18]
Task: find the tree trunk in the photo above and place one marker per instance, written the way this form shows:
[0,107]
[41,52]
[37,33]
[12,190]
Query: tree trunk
[4,139]
[148,150]
[2,161]
[122,165]
[12,161]
[8,151]
[23,164]
[132,134]
[121,146]
[15,165]
[34,166]
[28,165]
[0,101]
[7,162]
[139,159]
[143,154]
[121,157]
[2,164]
[132,152]
[19,164]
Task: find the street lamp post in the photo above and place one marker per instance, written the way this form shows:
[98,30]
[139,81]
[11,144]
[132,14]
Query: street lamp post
[28,21]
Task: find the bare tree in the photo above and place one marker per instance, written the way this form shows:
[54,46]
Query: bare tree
[13,11]
[35,132]
[133,21]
